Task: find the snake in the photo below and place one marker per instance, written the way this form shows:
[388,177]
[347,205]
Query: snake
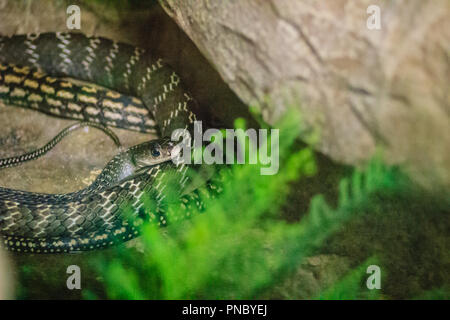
[94,79]
[37,153]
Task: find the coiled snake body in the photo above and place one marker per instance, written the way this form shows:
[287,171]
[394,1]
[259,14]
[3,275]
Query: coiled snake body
[32,75]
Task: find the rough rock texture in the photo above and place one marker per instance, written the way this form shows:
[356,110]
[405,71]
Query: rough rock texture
[358,87]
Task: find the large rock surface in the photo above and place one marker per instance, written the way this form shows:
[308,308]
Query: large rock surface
[360,88]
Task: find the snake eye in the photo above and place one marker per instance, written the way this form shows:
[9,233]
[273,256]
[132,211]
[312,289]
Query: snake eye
[155,151]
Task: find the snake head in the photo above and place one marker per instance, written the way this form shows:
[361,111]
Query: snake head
[155,152]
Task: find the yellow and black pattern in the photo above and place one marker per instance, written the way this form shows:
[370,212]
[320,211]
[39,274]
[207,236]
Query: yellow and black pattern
[66,98]
[117,66]
[39,72]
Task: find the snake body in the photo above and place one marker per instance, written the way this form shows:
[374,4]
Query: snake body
[37,153]
[33,72]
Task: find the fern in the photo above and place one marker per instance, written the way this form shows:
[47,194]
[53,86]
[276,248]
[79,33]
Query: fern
[239,246]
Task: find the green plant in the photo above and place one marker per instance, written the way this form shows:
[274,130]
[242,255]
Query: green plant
[350,286]
[239,246]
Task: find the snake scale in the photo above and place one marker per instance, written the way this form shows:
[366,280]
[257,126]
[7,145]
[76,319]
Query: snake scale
[36,72]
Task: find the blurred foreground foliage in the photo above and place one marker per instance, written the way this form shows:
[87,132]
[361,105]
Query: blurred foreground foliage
[239,247]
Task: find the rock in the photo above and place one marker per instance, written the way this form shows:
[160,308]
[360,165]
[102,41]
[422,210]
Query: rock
[359,88]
